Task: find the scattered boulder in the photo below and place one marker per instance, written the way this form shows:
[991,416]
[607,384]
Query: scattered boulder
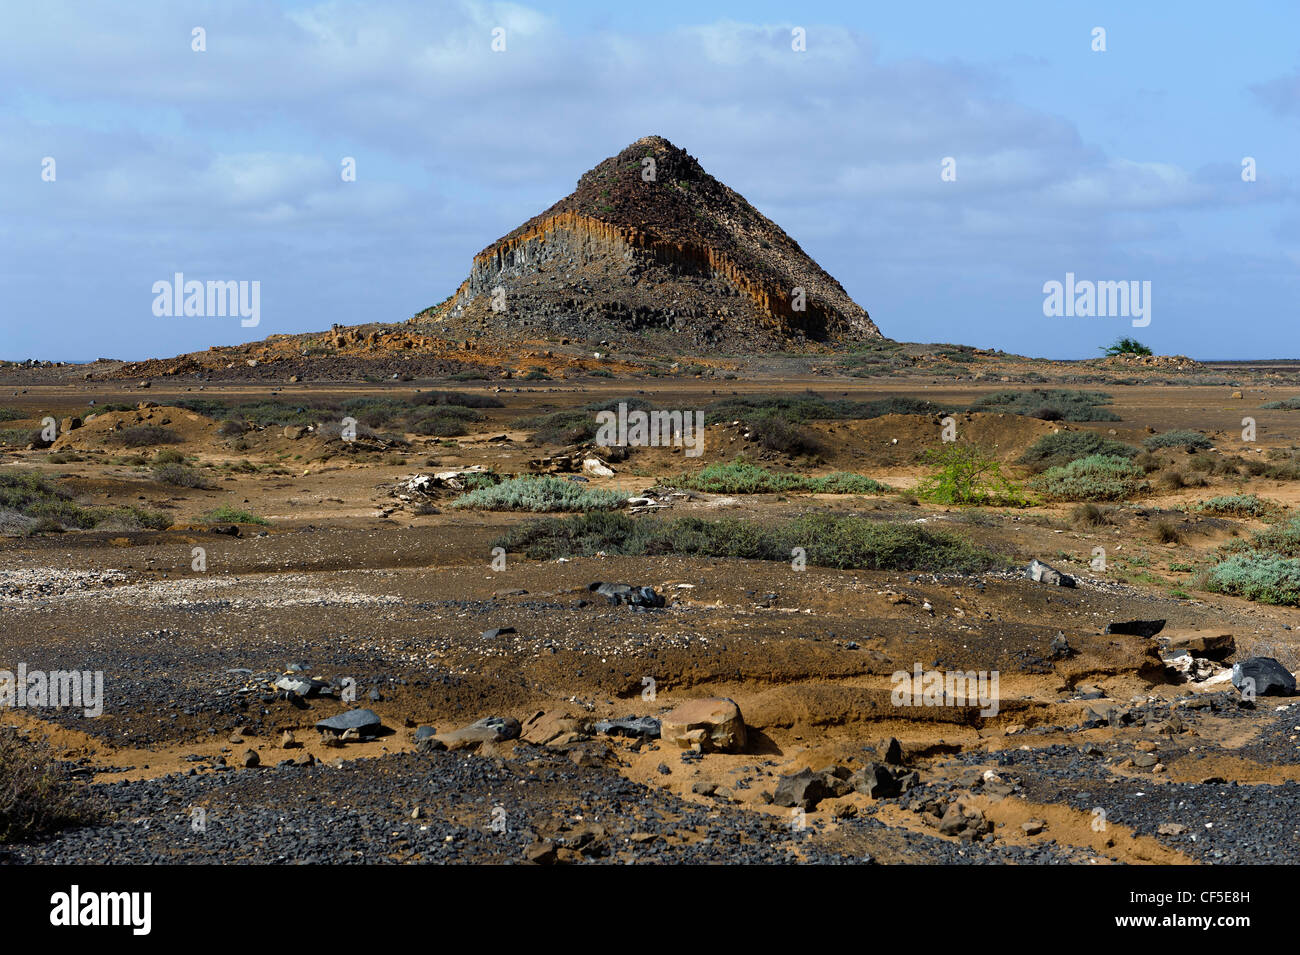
[705,725]
[365,722]
[1267,677]
[300,684]
[964,821]
[802,790]
[547,727]
[646,727]
[490,729]
[1045,574]
[625,594]
[1215,644]
[251,759]
[877,781]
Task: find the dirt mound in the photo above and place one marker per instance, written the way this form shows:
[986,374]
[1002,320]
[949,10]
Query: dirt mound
[1152,362]
[123,429]
[649,242]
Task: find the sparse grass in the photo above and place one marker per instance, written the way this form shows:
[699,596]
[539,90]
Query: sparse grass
[226,514]
[542,494]
[964,474]
[743,477]
[1050,404]
[1055,450]
[1094,478]
[1087,516]
[1166,532]
[828,541]
[38,798]
[1190,440]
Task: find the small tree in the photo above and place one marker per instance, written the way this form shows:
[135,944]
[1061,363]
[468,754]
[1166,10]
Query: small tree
[964,474]
[1126,346]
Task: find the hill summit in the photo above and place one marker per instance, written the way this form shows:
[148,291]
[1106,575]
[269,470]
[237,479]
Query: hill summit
[651,243]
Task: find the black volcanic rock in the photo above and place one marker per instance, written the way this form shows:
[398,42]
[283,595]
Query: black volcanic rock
[651,243]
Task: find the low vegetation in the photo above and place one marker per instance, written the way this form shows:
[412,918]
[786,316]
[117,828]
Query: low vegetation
[144,436]
[1050,404]
[1094,478]
[1188,440]
[527,493]
[37,798]
[966,475]
[1264,578]
[181,475]
[31,503]
[1054,450]
[826,540]
[743,477]
[1239,505]
[226,514]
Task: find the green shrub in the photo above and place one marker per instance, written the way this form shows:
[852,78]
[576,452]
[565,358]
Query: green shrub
[1049,404]
[1278,540]
[1053,450]
[1259,577]
[1191,440]
[743,477]
[1094,478]
[1238,505]
[1286,404]
[21,437]
[11,414]
[225,514]
[828,541]
[965,474]
[529,493]
[1126,346]
[37,798]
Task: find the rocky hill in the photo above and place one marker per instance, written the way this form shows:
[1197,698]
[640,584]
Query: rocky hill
[651,243]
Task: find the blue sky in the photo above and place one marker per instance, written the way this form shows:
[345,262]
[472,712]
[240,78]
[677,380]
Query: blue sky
[1123,165]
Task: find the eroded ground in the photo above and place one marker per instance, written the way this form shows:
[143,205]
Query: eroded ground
[1095,756]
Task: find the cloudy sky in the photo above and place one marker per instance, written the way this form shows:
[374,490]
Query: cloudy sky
[1117,165]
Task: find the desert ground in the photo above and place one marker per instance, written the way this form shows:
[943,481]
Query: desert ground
[236,546]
